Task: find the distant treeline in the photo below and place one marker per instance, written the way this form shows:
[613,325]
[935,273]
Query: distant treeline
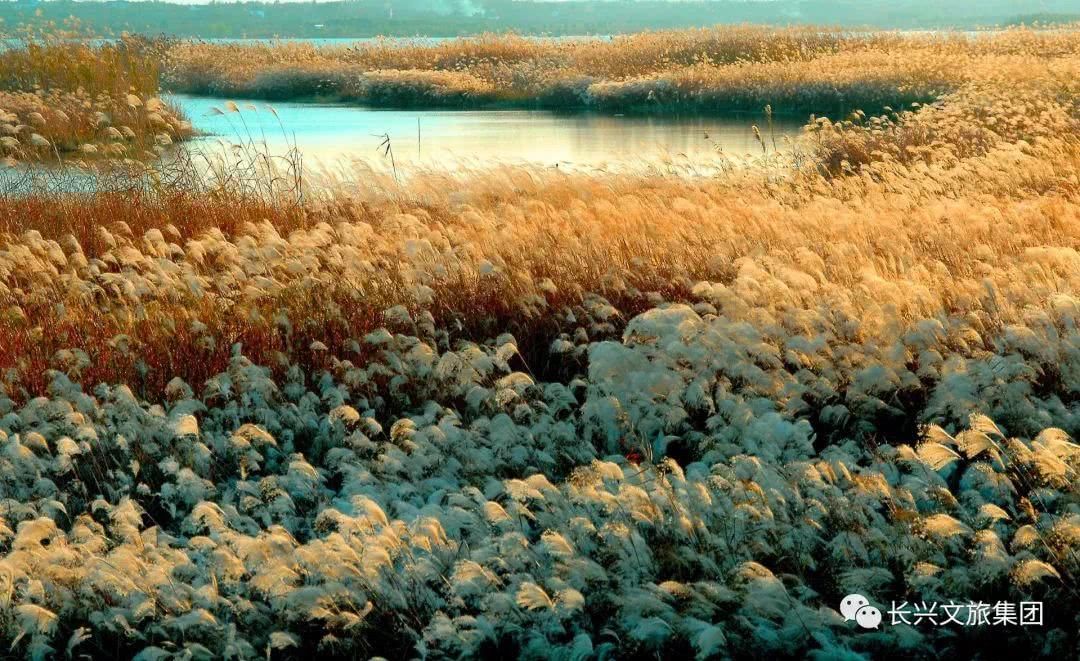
[447,18]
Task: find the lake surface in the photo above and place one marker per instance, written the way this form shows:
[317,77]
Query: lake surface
[333,135]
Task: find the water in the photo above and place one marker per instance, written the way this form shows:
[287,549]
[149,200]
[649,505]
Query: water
[339,42]
[335,134]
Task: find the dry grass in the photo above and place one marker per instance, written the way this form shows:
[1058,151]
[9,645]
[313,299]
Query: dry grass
[184,276]
[520,412]
[797,70]
[180,281]
[60,60]
[1011,108]
[72,100]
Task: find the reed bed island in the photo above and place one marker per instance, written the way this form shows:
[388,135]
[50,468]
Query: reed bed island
[795,70]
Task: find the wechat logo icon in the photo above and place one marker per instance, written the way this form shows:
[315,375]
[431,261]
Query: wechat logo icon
[857,607]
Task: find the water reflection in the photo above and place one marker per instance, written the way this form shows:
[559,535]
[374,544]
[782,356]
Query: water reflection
[331,134]
[335,137]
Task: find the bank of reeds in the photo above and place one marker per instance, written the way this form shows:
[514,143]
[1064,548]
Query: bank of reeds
[796,70]
[81,101]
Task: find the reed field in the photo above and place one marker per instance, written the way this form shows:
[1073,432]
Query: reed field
[509,411]
[796,70]
[70,100]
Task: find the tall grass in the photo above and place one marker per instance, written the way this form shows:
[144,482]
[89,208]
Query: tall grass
[129,65]
[76,100]
[484,251]
[796,70]
[252,380]
[537,413]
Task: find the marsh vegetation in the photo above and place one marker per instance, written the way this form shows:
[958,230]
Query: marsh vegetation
[521,412]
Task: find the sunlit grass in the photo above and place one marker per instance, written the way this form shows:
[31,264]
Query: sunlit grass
[63,99]
[513,412]
[796,70]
